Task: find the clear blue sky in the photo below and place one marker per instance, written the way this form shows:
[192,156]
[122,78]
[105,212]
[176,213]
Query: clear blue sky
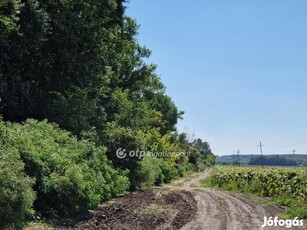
[237,68]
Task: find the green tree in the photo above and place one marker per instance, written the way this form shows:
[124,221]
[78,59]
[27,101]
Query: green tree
[70,62]
[202,146]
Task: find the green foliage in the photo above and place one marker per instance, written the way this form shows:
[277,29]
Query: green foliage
[202,146]
[275,182]
[118,137]
[9,11]
[206,182]
[16,194]
[281,201]
[210,159]
[201,166]
[151,172]
[297,210]
[287,186]
[79,66]
[70,175]
[78,63]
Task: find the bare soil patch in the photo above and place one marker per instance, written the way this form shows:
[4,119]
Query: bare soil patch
[148,209]
[184,204]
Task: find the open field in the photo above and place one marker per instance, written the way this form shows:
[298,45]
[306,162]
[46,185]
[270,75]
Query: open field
[269,182]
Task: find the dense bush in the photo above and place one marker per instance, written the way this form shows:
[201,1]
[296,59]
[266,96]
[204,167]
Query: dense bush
[16,194]
[150,172]
[154,171]
[157,170]
[70,175]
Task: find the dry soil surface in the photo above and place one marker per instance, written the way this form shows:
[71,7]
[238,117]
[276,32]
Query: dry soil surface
[148,209]
[222,210]
[184,204]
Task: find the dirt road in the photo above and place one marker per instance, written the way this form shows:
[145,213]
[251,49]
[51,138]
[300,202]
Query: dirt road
[184,204]
[222,210]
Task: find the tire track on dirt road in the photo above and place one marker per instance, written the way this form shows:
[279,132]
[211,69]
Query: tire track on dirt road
[183,204]
[222,210]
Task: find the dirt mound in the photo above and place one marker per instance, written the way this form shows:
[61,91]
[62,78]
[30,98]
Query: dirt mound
[148,209]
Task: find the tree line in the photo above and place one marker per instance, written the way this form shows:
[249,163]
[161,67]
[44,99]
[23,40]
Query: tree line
[272,161]
[75,87]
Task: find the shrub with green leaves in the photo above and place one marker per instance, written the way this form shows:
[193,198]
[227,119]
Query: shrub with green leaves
[150,172]
[16,194]
[70,175]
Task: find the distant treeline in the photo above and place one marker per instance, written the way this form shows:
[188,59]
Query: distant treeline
[273,159]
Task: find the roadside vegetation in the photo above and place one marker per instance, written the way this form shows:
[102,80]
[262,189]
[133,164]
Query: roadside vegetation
[75,86]
[286,186]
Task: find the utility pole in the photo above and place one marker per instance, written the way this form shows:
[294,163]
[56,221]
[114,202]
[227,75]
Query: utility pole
[293,151]
[260,146]
[238,157]
[233,157]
